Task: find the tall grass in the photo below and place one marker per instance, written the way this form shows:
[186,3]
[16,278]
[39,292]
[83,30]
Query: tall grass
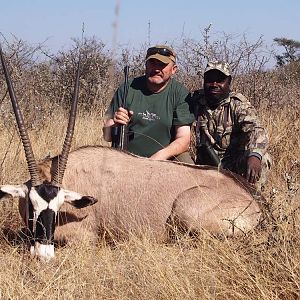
[263,264]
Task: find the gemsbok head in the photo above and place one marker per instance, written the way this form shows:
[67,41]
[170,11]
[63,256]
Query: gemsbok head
[43,198]
[135,195]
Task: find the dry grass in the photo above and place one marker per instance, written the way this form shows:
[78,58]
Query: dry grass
[138,269]
[264,264]
[261,265]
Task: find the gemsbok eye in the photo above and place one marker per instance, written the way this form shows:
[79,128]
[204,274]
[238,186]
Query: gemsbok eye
[136,196]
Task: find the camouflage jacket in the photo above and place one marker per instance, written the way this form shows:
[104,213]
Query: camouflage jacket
[232,128]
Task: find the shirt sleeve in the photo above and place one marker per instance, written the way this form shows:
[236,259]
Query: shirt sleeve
[183,114]
[257,138]
[115,102]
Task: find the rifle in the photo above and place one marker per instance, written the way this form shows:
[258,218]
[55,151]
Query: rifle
[207,153]
[119,133]
[205,150]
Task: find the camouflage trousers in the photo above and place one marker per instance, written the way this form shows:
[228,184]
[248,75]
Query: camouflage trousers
[239,165]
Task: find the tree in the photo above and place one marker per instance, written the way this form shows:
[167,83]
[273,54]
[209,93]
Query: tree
[292,51]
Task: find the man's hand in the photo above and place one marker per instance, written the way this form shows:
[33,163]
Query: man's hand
[253,169]
[122,116]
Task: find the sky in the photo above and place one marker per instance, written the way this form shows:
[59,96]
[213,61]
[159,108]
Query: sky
[136,22]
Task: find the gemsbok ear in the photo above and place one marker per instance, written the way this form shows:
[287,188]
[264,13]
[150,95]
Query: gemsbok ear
[79,201]
[14,190]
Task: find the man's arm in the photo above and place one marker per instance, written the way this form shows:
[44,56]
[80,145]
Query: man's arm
[257,138]
[107,130]
[178,146]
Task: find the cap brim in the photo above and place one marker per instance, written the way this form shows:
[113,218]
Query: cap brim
[165,59]
[218,69]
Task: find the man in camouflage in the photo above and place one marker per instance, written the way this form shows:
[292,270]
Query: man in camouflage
[228,132]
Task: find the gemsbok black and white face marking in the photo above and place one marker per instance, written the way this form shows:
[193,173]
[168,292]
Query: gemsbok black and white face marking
[159,195]
[44,199]
[44,202]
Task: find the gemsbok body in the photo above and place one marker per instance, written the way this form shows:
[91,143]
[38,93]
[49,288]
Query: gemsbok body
[103,192]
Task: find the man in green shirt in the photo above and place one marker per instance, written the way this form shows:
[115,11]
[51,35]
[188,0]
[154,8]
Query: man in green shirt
[157,112]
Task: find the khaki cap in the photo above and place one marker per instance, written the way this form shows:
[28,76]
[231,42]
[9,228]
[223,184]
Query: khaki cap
[162,53]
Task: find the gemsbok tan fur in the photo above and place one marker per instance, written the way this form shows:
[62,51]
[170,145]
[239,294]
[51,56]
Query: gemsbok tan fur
[99,192]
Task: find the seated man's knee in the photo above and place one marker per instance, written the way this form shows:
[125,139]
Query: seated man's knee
[184,157]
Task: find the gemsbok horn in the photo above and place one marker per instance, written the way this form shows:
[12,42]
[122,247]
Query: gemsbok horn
[45,197]
[135,195]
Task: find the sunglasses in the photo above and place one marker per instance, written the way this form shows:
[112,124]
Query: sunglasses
[161,51]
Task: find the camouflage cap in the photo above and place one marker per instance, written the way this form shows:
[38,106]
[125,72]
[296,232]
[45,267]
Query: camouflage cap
[220,66]
[162,53]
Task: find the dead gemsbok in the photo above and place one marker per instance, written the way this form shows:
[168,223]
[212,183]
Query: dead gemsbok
[135,195]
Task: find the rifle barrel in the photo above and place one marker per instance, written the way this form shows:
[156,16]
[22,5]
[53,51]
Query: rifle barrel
[122,132]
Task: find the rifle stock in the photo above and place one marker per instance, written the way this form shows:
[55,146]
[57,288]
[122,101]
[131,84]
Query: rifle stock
[207,154]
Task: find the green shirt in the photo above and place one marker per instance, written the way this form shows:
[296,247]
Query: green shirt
[151,127]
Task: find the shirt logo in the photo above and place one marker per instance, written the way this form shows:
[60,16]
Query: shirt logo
[149,116]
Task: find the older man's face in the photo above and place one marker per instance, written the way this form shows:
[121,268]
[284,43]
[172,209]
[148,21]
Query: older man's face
[158,73]
[216,86]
